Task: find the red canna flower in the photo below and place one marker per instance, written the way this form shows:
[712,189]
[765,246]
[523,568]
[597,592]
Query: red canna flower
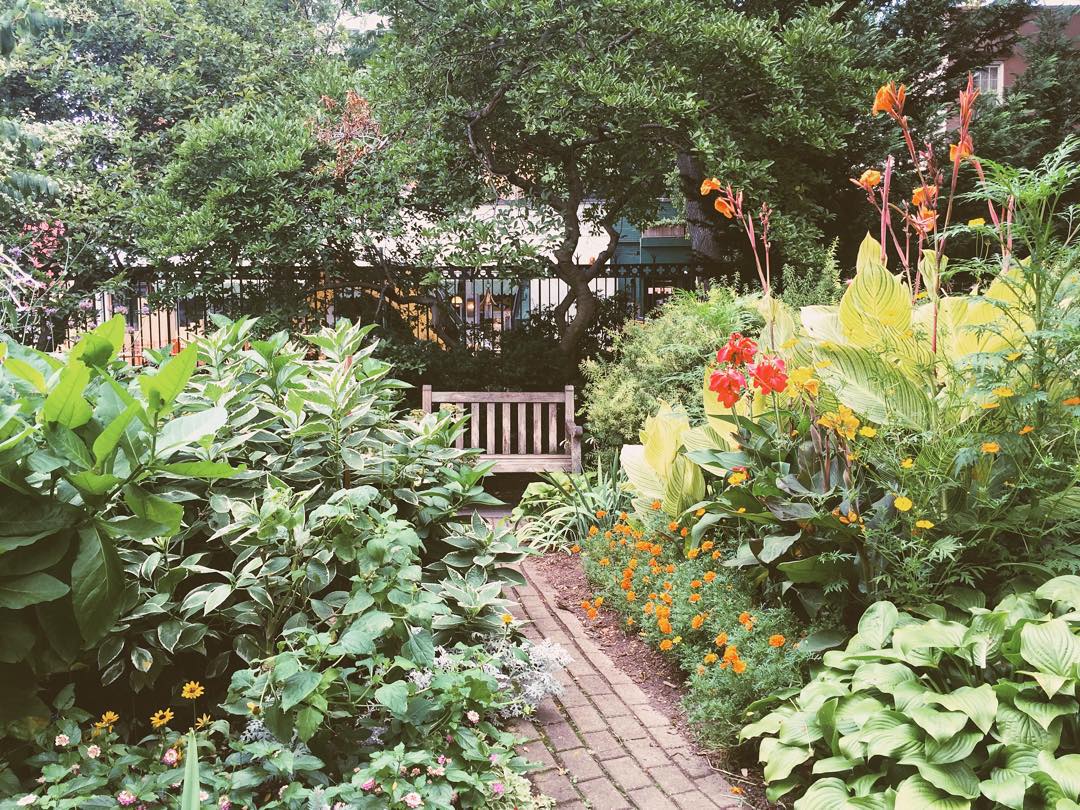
[769,375]
[738,351]
[728,384]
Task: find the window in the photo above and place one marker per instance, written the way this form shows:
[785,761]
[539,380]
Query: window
[990,80]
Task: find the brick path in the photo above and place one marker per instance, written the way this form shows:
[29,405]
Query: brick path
[602,745]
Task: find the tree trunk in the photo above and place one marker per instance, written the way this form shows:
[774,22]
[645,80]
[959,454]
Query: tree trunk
[579,292]
[701,217]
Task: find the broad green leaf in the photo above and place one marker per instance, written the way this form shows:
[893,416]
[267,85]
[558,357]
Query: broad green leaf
[915,793]
[819,568]
[190,428]
[978,703]
[782,759]
[31,589]
[823,323]
[166,515]
[824,794]
[99,346]
[685,486]
[162,388]
[953,750]
[308,720]
[298,687]
[643,479]
[97,581]
[884,677]
[942,726]
[395,697]
[110,437]
[877,623]
[94,483]
[1005,787]
[1016,728]
[65,404]
[1043,711]
[202,469]
[420,649]
[1050,647]
[956,778]
[1064,589]
[662,437]
[360,636]
[1065,770]
[25,371]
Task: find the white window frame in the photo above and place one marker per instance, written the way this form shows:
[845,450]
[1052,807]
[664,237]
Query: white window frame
[1000,68]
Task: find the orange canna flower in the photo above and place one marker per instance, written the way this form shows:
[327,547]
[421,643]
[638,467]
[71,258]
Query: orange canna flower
[1026,429]
[869,179]
[924,196]
[709,184]
[962,150]
[724,207]
[889,99]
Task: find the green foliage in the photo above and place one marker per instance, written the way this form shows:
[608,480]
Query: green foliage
[276,520]
[815,286]
[969,707]
[658,359]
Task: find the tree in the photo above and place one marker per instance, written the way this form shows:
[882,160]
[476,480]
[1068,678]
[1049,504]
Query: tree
[581,109]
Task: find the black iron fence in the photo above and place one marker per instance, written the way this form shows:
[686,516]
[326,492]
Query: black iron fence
[463,306]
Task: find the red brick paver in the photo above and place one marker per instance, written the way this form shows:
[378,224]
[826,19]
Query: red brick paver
[601,745]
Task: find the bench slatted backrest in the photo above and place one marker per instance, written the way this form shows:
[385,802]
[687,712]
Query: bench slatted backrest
[521,431]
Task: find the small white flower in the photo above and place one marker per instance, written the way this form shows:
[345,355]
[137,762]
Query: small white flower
[62,740]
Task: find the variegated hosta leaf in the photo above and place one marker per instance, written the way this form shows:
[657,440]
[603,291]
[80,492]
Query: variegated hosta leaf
[877,623]
[874,389]
[874,299]
[1044,710]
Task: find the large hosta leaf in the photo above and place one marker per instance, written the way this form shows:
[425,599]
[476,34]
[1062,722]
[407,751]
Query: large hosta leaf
[1050,647]
[915,793]
[1064,770]
[979,703]
[877,623]
[956,779]
[873,388]
[781,759]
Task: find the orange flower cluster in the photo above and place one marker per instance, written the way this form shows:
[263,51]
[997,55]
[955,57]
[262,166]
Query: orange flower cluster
[592,608]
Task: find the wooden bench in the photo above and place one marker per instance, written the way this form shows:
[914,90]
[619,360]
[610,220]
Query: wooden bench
[520,415]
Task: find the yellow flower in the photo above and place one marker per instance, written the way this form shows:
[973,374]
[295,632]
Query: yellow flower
[990,447]
[989,406]
[907,463]
[737,478]
[978,222]
[507,618]
[803,379]
[1012,356]
[1026,429]
[203,721]
[108,720]
[924,524]
[254,708]
[1004,392]
[192,690]
[902,503]
[868,432]
[842,420]
[161,718]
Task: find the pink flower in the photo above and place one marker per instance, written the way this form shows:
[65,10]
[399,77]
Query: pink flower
[223,803]
[93,751]
[728,385]
[171,757]
[769,375]
[493,757]
[368,785]
[126,798]
[442,759]
[62,740]
[738,351]
[497,788]
[473,716]
[414,799]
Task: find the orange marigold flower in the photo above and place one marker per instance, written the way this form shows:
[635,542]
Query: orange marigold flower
[721,639]
[592,614]
[731,653]
[707,545]
[697,621]
[684,531]
[695,597]
[656,506]
[669,568]
[585,604]
[709,576]
[739,666]
[776,640]
[604,561]
[1026,429]
[598,601]
[666,644]
[672,526]
[699,512]
[666,597]
[575,549]
[1071,401]
[710,658]
[593,531]
[665,626]
[990,447]
[600,513]
[631,596]
[745,618]
[695,583]
[724,207]
[693,553]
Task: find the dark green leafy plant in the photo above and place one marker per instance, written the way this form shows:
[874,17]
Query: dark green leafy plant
[967,708]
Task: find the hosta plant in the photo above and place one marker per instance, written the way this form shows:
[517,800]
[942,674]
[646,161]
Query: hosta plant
[967,707]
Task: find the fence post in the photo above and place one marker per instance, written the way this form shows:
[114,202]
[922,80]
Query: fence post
[425,396]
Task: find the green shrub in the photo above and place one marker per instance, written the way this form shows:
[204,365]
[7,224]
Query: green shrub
[659,359]
[273,526]
[819,286]
[969,708]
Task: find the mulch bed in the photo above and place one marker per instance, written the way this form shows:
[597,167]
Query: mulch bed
[657,676]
